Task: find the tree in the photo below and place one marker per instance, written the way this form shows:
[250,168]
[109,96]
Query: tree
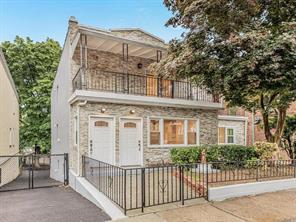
[33,66]
[244,50]
[289,136]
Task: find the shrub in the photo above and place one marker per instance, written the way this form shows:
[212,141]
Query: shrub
[185,155]
[265,150]
[214,153]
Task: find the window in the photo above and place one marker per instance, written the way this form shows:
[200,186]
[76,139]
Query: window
[173,132]
[130,125]
[101,124]
[225,135]
[191,132]
[230,136]
[154,132]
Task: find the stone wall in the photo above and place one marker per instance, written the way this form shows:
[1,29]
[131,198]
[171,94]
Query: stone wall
[138,35]
[208,126]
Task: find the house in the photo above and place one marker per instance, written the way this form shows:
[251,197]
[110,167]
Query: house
[9,125]
[107,104]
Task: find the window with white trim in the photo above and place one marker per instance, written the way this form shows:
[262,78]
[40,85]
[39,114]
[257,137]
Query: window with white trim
[226,135]
[166,131]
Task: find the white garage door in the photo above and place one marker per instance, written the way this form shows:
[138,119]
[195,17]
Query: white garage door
[102,139]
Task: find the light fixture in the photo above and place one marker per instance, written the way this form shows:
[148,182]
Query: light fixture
[132,111]
[103,110]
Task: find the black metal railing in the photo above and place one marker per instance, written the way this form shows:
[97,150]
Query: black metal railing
[30,171]
[252,170]
[136,188]
[144,85]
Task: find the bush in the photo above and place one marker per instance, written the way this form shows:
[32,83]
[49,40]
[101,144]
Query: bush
[265,150]
[185,155]
[214,153]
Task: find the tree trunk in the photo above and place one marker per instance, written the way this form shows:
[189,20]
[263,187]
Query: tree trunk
[281,119]
[267,133]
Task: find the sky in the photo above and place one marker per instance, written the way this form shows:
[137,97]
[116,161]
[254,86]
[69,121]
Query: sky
[39,19]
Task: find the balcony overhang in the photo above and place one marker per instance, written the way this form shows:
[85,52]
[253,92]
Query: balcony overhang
[109,97]
[104,41]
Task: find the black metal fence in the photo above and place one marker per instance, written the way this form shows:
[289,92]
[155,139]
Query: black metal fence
[18,172]
[144,85]
[253,170]
[137,188]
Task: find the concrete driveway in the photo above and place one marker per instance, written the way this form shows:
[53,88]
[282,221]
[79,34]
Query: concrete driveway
[57,204]
[270,207]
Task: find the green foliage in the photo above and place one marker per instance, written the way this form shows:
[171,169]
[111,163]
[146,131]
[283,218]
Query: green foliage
[265,150]
[253,163]
[243,50]
[214,153]
[289,135]
[230,153]
[33,66]
[185,155]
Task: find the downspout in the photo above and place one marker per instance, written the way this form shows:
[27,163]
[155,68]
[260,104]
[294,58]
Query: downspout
[81,104]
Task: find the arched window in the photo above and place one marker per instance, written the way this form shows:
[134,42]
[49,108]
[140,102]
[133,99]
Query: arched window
[130,125]
[101,124]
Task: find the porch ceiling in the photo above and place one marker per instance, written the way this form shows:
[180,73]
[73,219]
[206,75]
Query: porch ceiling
[115,46]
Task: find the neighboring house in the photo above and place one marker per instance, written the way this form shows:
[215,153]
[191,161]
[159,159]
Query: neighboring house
[9,124]
[107,104]
[242,127]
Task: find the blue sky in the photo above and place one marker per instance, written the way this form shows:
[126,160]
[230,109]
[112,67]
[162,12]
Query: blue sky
[40,19]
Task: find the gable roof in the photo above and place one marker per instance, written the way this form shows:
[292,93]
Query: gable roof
[139,30]
[7,72]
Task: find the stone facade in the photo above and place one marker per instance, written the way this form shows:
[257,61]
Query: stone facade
[239,129]
[207,130]
[138,35]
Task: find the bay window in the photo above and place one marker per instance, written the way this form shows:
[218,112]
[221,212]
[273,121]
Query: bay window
[173,131]
[166,132]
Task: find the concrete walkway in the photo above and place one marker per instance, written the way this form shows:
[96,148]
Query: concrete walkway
[57,204]
[270,207]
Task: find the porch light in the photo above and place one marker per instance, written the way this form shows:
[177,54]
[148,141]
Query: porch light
[132,111]
[103,110]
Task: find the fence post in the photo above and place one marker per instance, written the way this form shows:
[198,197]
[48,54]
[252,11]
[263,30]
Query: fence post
[124,193]
[66,169]
[207,184]
[32,171]
[143,188]
[182,184]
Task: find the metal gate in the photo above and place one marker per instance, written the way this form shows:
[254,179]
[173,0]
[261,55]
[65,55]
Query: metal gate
[19,172]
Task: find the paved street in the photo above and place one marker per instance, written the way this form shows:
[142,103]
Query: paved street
[56,204]
[270,207]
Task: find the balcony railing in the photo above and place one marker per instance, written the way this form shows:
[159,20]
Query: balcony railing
[96,80]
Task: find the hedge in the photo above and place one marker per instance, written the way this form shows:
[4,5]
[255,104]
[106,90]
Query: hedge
[228,153]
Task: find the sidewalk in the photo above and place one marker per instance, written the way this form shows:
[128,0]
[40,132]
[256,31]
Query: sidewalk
[278,206]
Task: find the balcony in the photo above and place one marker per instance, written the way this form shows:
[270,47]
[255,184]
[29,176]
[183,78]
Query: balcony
[150,86]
